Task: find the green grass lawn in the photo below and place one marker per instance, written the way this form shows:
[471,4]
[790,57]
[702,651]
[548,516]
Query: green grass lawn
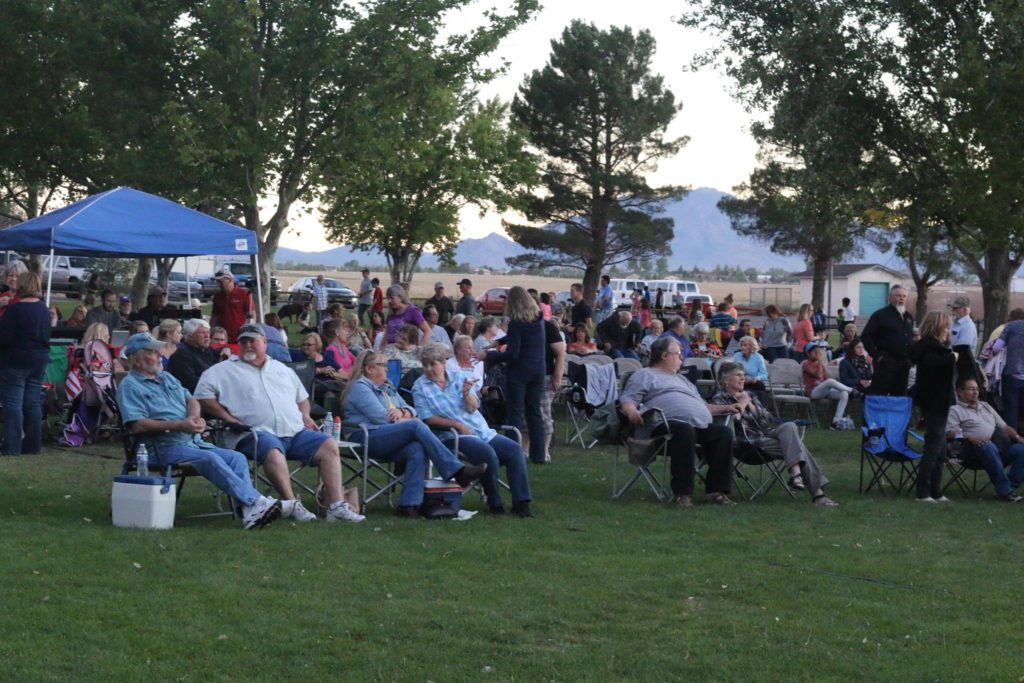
[881,588]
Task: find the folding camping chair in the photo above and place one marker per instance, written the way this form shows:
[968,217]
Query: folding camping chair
[746,458]
[964,468]
[376,478]
[884,445]
[642,454]
[591,385]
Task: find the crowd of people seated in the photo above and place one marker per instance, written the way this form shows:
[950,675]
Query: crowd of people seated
[472,375]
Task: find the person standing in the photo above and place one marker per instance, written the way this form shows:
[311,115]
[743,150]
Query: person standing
[24,354]
[445,307]
[775,334]
[403,313]
[581,313]
[849,311]
[524,357]
[467,304]
[232,306]
[963,338]
[319,291]
[605,302]
[366,295]
[887,337]
[933,394]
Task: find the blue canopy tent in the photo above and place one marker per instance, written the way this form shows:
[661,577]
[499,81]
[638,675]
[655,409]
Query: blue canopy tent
[129,223]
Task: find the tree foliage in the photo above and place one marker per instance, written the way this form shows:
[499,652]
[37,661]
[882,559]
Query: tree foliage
[934,88]
[597,117]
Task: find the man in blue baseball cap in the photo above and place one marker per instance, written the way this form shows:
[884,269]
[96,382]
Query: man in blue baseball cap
[155,406]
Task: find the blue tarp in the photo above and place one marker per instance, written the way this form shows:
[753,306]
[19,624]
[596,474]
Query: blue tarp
[127,223]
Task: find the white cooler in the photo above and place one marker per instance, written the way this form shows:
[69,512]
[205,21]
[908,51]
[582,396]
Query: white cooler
[143,502]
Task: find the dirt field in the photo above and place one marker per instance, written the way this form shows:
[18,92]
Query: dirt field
[423,283]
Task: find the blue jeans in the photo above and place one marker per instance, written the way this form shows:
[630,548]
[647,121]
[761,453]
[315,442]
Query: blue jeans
[363,308]
[995,464]
[1013,398]
[771,353]
[523,395]
[21,390]
[625,353]
[227,470]
[411,442]
[500,450]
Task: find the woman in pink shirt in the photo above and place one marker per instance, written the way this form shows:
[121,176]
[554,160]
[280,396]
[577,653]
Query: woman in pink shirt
[803,331]
[336,337]
[817,383]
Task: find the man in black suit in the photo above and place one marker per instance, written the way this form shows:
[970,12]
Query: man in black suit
[887,338]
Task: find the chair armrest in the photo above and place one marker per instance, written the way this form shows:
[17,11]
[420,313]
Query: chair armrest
[917,436]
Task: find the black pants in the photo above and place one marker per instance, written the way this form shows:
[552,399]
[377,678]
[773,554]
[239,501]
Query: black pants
[890,377]
[929,468]
[716,445]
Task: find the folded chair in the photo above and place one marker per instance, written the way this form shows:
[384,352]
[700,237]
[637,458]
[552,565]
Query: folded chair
[884,451]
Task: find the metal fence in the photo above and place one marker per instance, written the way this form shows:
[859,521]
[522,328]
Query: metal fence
[780,296]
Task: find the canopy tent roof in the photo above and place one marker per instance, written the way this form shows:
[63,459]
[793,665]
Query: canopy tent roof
[129,223]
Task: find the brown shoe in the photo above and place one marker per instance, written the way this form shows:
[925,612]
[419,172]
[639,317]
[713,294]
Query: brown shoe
[719,499]
[468,474]
[683,502]
[408,511]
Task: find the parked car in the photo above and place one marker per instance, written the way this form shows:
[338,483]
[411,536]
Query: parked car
[302,291]
[492,302]
[178,286]
[706,303]
[69,273]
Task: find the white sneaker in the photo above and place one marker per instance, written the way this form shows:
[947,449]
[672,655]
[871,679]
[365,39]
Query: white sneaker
[342,510]
[929,499]
[261,513]
[942,499]
[295,510]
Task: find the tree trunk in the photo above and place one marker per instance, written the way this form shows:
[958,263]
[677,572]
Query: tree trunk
[995,279]
[163,270]
[591,278]
[140,283]
[921,307]
[820,266]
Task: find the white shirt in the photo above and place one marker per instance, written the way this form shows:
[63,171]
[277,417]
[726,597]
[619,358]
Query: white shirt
[439,336]
[964,331]
[266,398]
[849,313]
[477,373]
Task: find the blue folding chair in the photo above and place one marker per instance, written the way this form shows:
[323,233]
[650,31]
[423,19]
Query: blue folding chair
[395,372]
[884,447]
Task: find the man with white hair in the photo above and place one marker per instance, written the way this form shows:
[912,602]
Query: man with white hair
[620,335]
[887,338]
[165,415]
[194,356]
[266,395]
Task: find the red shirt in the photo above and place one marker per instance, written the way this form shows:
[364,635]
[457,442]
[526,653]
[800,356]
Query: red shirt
[231,309]
[378,299]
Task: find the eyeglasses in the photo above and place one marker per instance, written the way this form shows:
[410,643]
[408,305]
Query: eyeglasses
[673,353]
[308,344]
[379,365]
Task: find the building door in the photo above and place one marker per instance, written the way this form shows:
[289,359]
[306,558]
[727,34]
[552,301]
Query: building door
[873,295]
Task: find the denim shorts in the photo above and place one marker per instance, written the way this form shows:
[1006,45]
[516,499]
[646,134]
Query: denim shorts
[301,447]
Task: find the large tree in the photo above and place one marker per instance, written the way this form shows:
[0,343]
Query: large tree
[431,151]
[598,119]
[937,85]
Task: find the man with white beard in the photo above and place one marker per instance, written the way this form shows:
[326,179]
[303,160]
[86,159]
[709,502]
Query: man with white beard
[887,338]
[165,416]
[260,392]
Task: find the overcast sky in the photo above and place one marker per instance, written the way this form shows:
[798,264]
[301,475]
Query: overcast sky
[720,154]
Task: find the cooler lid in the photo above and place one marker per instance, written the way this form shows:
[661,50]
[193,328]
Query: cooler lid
[154,480]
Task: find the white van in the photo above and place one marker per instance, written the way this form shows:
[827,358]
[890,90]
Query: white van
[622,289]
[674,290]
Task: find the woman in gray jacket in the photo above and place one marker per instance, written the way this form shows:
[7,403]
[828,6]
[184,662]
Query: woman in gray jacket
[776,334]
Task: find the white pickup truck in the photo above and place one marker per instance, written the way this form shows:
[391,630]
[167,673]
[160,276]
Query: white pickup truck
[69,272]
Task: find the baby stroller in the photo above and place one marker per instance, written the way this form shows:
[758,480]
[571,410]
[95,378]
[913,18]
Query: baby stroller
[91,390]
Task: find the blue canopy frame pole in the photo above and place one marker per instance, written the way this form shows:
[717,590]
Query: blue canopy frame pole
[49,277]
[259,283]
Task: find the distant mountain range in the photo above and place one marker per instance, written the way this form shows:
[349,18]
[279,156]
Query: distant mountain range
[703,236]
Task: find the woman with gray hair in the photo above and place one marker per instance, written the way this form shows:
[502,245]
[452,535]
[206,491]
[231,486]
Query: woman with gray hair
[524,356]
[757,429]
[701,345]
[464,361]
[402,313]
[446,400]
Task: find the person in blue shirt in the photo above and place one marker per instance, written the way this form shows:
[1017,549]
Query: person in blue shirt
[605,302]
[396,434]
[446,399]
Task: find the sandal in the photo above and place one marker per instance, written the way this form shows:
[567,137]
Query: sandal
[797,483]
[683,502]
[719,499]
[823,501]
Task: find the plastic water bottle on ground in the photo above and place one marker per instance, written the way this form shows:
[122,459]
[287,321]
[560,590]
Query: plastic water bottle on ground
[142,461]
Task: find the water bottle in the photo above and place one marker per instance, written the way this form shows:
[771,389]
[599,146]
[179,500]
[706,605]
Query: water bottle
[142,461]
[337,428]
[328,424]
[873,439]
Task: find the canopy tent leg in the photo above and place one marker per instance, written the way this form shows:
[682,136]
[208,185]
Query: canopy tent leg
[259,283]
[49,277]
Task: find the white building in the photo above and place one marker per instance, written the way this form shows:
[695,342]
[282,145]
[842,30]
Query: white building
[866,284]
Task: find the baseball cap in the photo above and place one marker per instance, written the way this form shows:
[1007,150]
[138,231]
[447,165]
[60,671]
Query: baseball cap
[251,331]
[124,299]
[156,291]
[221,274]
[960,302]
[465,281]
[438,285]
[140,341]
